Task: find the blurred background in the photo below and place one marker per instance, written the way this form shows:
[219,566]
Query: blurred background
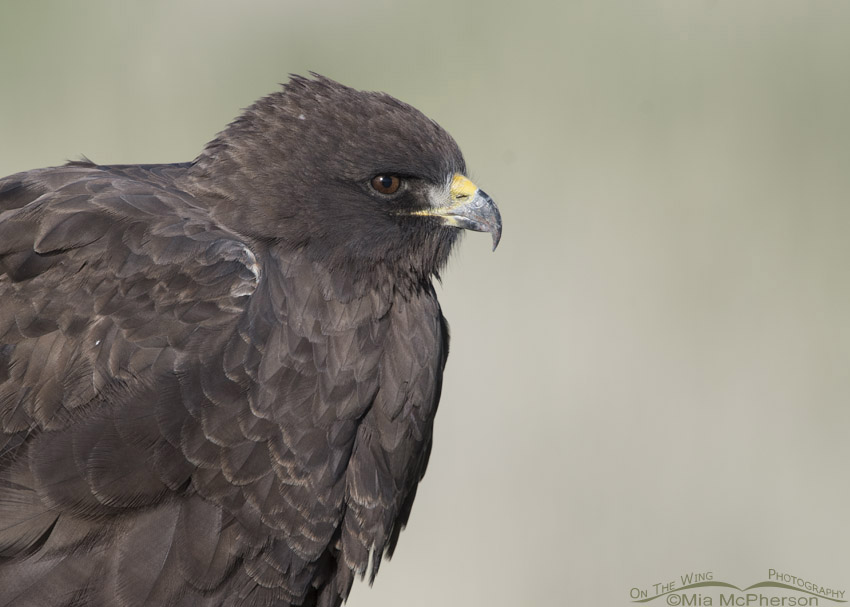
[651,375]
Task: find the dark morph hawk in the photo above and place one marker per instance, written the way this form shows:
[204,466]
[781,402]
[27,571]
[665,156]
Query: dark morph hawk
[218,379]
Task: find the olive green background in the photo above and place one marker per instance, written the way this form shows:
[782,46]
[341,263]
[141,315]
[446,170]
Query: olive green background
[651,374]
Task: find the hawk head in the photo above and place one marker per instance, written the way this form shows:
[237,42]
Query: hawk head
[358,181]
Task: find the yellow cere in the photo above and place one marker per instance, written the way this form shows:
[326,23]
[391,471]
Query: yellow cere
[461,191]
[462,188]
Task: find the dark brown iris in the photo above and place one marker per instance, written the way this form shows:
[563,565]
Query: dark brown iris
[386,184]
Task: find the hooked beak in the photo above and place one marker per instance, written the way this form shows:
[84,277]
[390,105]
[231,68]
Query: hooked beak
[466,207]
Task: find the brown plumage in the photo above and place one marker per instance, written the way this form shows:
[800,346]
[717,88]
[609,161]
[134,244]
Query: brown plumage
[218,379]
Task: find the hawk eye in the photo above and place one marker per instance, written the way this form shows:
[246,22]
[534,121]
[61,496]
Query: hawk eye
[386,184]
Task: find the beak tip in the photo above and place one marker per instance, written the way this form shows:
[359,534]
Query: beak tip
[497,236]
